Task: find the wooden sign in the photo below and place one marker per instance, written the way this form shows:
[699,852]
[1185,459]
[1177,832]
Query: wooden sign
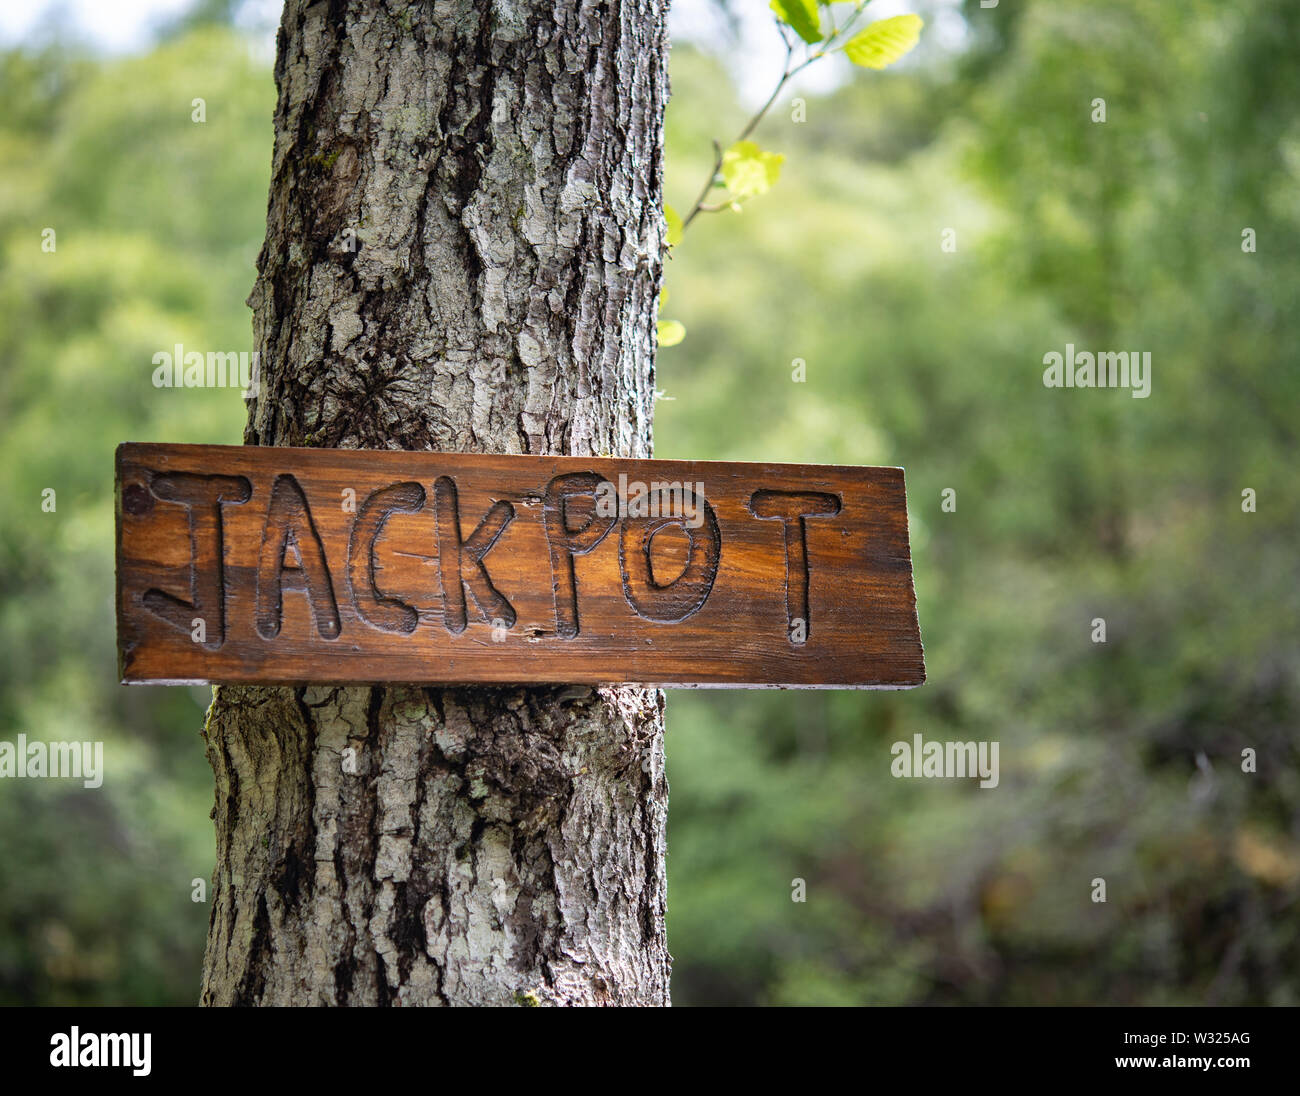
[267,565]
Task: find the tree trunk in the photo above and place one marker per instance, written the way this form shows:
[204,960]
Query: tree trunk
[462,253]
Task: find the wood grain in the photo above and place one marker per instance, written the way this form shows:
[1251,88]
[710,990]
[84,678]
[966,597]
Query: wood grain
[280,566]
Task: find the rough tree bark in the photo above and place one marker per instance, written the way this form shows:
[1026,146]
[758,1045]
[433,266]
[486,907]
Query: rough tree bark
[462,253]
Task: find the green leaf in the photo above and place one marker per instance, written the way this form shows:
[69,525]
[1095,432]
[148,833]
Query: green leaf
[674,222]
[748,170]
[801,15]
[883,43]
[671,332]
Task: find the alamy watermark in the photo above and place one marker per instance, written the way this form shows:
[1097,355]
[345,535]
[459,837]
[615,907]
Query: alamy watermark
[215,369]
[1105,369]
[82,761]
[129,1050]
[946,760]
[634,499]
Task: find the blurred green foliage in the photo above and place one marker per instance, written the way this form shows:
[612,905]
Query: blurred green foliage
[1119,760]
[157,221]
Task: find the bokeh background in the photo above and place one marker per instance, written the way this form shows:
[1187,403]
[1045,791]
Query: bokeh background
[1119,760]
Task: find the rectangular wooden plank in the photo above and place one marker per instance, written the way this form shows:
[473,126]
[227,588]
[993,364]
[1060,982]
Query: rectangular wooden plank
[278,566]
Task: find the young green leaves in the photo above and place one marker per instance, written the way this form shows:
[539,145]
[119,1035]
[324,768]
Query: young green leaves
[875,47]
[670,332]
[801,16]
[673,220]
[884,42]
[748,171]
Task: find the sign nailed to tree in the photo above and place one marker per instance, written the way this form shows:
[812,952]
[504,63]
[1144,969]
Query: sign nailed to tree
[273,565]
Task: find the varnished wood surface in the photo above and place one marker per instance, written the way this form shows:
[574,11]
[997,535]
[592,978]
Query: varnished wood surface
[462,568]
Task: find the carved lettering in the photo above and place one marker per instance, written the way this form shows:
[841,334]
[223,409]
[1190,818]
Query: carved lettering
[684,594]
[454,552]
[793,509]
[567,497]
[292,557]
[340,567]
[202,496]
[388,614]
